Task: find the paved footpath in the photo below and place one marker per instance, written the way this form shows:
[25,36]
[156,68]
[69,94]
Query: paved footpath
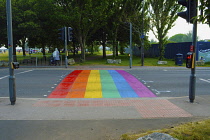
[95,118]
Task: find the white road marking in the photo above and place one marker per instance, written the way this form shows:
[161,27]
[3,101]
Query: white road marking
[208,81]
[24,72]
[145,82]
[16,74]
[159,92]
[4,77]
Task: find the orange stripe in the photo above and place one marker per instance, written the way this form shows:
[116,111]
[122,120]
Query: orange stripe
[79,86]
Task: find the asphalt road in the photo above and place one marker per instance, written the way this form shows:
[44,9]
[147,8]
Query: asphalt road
[79,129]
[169,82]
[164,82]
[32,83]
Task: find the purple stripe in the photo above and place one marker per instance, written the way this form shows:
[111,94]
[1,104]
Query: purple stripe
[140,89]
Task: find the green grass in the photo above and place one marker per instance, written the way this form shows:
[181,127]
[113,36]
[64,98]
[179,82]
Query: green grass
[125,60]
[5,57]
[189,131]
[136,61]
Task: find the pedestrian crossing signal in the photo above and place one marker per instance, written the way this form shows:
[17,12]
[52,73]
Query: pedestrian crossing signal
[190,60]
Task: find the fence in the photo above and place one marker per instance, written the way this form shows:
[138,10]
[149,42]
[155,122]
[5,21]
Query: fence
[33,60]
[171,49]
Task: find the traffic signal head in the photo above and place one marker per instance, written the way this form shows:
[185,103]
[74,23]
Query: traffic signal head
[190,60]
[184,14]
[191,11]
[61,33]
[15,65]
[70,34]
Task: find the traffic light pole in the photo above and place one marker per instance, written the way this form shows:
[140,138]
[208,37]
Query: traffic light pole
[66,35]
[142,46]
[193,75]
[190,16]
[66,51]
[131,52]
[12,89]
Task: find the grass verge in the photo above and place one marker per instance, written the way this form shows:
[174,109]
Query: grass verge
[199,130]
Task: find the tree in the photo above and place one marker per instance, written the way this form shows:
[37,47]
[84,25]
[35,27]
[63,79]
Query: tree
[24,22]
[125,12]
[163,14]
[47,24]
[140,20]
[152,41]
[183,37]
[35,21]
[205,8]
[116,8]
[189,37]
[178,38]
[3,24]
[19,24]
[85,17]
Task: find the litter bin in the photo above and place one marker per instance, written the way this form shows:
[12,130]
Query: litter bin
[179,59]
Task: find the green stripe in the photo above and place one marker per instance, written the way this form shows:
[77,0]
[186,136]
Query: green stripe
[109,90]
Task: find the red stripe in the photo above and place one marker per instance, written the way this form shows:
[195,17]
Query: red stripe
[62,89]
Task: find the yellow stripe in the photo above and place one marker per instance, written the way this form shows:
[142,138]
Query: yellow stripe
[93,88]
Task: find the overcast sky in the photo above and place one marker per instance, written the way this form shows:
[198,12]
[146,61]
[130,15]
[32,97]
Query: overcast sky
[181,26]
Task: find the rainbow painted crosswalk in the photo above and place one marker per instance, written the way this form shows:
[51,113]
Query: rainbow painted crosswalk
[100,84]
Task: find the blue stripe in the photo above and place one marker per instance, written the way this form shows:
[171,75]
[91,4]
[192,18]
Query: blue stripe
[122,85]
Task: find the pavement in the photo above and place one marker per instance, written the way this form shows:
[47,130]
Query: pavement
[95,119]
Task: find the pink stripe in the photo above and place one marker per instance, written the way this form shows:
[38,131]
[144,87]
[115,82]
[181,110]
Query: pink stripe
[140,89]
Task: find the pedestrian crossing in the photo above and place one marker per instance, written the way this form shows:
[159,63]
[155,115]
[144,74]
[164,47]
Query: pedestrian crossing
[100,84]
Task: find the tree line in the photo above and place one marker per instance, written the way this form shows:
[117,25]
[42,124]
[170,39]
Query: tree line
[37,22]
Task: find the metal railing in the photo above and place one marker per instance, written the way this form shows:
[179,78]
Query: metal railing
[34,61]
